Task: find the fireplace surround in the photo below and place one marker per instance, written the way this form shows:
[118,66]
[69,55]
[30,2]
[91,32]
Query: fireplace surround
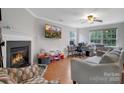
[18,53]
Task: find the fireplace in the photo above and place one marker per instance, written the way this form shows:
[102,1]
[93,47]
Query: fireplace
[18,53]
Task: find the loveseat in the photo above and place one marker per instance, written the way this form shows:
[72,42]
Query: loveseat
[98,69]
[25,75]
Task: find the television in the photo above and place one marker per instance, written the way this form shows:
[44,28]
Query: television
[52,31]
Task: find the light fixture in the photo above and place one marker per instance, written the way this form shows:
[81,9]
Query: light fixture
[90,18]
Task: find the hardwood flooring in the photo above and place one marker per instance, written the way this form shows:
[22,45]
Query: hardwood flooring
[60,70]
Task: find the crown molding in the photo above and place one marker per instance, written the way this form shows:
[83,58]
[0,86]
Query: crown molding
[46,19]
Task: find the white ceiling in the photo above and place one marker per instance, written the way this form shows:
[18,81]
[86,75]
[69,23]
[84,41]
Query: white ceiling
[71,16]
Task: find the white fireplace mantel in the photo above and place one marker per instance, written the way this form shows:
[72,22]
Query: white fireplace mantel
[15,36]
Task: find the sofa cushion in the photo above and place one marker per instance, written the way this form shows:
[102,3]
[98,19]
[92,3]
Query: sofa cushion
[7,80]
[41,80]
[116,51]
[12,72]
[93,60]
[4,77]
[109,58]
[24,73]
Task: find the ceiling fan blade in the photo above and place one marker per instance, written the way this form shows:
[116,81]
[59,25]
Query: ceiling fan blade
[83,21]
[97,20]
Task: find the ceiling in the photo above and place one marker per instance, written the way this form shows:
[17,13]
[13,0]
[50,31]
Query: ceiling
[72,16]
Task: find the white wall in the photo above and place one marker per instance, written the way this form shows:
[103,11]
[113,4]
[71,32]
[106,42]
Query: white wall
[48,43]
[24,26]
[21,27]
[84,33]
[19,19]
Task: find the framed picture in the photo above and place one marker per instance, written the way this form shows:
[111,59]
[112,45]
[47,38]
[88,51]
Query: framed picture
[52,31]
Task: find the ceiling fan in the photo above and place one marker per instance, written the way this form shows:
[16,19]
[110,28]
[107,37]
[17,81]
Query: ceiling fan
[91,19]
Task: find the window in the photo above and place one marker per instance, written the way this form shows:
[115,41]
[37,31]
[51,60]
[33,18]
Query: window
[73,37]
[105,36]
[96,36]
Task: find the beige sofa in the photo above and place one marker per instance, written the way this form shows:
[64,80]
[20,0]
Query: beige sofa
[97,69]
[25,75]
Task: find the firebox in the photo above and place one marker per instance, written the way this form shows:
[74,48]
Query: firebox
[18,53]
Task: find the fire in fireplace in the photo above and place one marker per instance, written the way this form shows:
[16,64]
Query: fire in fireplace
[18,53]
[17,58]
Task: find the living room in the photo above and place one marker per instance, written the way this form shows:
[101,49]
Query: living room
[25,28]
[80,59]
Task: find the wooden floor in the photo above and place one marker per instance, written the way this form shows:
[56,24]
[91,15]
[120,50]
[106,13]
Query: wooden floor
[60,70]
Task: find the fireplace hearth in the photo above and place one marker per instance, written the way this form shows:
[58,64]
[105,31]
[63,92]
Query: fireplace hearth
[18,53]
